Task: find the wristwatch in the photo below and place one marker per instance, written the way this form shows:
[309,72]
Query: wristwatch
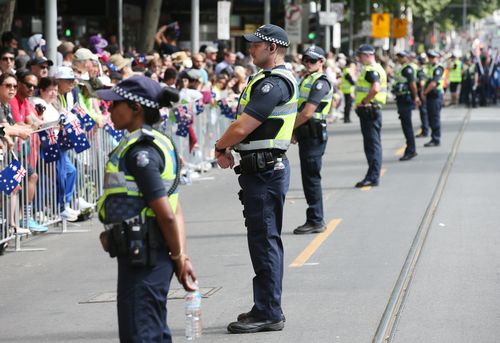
[2,131]
[219,150]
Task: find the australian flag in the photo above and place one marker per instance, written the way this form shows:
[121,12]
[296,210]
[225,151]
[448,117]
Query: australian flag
[85,120]
[77,136]
[116,134]
[225,109]
[49,145]
[183,119]
[200,107]
[11,176]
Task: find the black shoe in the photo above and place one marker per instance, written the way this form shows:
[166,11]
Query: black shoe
[407,157]
[431,144]
[244,316]
[251,325]
[347,120]
[366,183]
[309,228]
[421,134]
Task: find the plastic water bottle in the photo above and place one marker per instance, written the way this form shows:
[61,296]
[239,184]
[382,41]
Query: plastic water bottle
[279,164]
[193,315]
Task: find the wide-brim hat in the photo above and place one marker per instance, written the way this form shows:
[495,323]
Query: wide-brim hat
[119,61]
[269,33]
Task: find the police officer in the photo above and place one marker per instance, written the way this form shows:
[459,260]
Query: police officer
[421,81]
[261,134]
[455,77]
[144,221]
[315,101]
[433,94]
[371,94]
[347,87]
[405,89]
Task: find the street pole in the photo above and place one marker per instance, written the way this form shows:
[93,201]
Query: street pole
[267,11]
[120,26]
[328,29]
[464,15]
[351,28]
[368,17]
[51,29]
[195,26]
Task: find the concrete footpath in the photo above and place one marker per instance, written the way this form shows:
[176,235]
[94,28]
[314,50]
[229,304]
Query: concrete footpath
[336,284]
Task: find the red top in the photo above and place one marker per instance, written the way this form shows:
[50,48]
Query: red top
[21,110]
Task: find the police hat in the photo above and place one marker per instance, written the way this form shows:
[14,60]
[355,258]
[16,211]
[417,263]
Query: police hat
[136,88]
[315,52]
[366,49]
[432,53]
[269,33]
[403,53]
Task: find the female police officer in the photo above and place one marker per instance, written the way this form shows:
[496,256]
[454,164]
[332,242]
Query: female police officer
[145,226]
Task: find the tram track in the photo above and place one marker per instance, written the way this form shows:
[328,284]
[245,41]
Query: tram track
[388,323]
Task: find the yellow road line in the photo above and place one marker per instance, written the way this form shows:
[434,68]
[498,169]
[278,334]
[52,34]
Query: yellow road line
[315,244]
[367,188]
[400,151]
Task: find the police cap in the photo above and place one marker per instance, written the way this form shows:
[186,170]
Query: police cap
[269,33]
[403,53]
[432,53]
[366,49]
[137,88]
[315,52]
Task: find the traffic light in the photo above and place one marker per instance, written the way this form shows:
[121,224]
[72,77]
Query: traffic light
[312,33]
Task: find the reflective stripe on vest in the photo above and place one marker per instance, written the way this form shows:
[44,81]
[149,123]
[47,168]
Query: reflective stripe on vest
[429,71]
[363,86]
[456,73]
[305,89]
[117,181]
[345,86]
[285,112]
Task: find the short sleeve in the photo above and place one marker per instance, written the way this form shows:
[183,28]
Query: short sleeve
[318,91]
[408,73]
[145,163]
[438,74]
[372,76]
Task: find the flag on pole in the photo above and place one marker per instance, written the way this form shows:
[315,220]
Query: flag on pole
[11,176]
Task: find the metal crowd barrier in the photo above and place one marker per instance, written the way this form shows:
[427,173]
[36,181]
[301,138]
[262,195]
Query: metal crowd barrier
[208,127]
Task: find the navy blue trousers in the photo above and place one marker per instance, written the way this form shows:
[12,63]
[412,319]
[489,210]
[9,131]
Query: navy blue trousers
[142,298]
[434,105]
[404,111]
[372,144]
[263,197]
[311,152]
[424,118]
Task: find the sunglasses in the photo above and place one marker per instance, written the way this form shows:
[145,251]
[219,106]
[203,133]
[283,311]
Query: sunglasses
[29,85]
[9,85]
[309,60]
[5,58]
[44,67]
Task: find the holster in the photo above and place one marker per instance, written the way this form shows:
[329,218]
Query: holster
[313,128]
[367,112]
[256,162]
[137,239]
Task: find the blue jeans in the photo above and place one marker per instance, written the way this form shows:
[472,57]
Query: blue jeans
[66,180]
[311,152]
[263,197]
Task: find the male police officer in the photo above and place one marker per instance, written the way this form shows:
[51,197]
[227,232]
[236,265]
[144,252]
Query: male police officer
[433,93]
[371,94]
[405,90]
[421,81]
[347,87]
[455,77]
[261,134]
[315,101]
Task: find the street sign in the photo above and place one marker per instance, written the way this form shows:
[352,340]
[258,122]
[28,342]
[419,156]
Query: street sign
[223,14]
[381,25]
[338,7]
[336,36]
[399,28]
[293,23]
[327,18]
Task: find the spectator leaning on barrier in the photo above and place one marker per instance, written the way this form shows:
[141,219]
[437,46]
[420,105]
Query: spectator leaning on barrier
[7,58]
[44,103]
[146,203]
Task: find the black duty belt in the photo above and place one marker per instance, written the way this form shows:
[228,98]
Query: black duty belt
[258,161]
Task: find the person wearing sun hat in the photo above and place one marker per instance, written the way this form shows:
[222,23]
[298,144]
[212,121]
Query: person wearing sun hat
[141,199]
[261,134]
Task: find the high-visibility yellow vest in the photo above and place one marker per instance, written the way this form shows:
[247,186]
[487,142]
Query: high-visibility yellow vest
[282,116]
[305,89]
[456,73]
[429,72]
[363,86]
[345,86]
[121,198]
